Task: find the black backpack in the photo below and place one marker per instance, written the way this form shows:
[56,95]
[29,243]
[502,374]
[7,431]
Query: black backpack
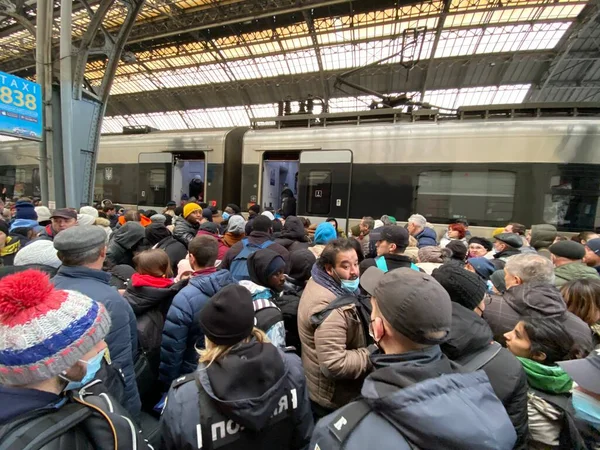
[33,430]
[363,308]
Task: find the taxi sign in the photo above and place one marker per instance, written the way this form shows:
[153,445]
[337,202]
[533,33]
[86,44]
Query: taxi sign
[20,107]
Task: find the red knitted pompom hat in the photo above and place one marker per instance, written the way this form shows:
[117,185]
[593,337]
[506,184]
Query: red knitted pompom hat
[44,331]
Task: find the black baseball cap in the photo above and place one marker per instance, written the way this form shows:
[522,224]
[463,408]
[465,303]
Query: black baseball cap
[394,235]
[414,303]
[585,372]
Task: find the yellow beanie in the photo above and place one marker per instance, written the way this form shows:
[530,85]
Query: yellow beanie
[498,231]
[190,208]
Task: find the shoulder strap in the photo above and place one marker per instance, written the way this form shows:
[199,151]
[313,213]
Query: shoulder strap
[381,263]
[245,242]
[266,244]
[33,432]
[318,318]
[471,364]
[413,266]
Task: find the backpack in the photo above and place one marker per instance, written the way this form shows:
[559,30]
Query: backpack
[472,364]
[570,436]
[363,309]
[33,430]
[239,265]
[381,264]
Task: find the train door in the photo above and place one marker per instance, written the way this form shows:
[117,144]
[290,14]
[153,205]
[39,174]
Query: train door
[154,179]
[189,176]
[324,183]
[280,172]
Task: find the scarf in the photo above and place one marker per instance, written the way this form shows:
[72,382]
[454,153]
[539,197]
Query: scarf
[551,379]
[139,280]
[230,239]
[322,278]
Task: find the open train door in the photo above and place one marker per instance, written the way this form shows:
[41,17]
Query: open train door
[324,182]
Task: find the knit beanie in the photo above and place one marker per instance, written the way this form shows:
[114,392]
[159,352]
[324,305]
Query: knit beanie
[275,266]
[89,210]
[158,218]
[25,210]
[324,233]
[43,213]
[497,279]
[85,219]
[464,287]
[228,317]
[190,208]
[207,214]
[40,251]
[236,225]
[459,250]
[483,267]
[44,331]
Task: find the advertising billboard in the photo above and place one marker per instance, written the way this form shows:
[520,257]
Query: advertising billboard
[20,107]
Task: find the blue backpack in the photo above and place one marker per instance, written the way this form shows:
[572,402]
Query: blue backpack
[382,264]
[239,265]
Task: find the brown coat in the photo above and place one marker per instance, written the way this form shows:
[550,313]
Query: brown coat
[334,355]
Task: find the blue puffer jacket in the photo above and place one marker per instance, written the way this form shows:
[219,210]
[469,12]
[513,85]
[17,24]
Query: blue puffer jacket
[122,339]
[450,411]
[182,332]
[427,238]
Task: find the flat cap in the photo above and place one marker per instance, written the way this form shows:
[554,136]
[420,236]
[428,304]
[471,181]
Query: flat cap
[512,239]
[79,239]
[568,249]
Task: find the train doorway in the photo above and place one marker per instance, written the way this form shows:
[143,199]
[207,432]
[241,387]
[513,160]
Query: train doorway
[280,171]
[189,175]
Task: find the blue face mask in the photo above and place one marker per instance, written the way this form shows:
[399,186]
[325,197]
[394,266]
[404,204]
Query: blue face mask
[587,408]
[93,366]
[226,216]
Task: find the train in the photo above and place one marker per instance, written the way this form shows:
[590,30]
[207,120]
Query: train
[489,170]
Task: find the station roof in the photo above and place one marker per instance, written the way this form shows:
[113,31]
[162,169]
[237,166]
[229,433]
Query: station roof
[217,63]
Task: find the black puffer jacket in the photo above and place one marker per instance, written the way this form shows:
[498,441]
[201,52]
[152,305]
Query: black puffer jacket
[175,250]
[293,236]
[124,242]
[97,431]
[470,334]
[500,259]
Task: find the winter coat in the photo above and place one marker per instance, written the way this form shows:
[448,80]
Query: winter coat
[175,249]
[123,243]
[426,238]
[150,302]
[122,338]
[97,431]
[47,233]
[9,270]
[573,271]
[184,231]
[392,261]
[182,333]
[546,422]
[316,249]
[230,239]
[293,236]
[428,267]
[105,225]
[470,335]
[335,354]
[500,258]
[416,396]
[257,238]
[534,299]
[14,243]
[244,388]
[288,203]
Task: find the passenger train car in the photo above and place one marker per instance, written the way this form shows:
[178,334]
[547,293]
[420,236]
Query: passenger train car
[491,171]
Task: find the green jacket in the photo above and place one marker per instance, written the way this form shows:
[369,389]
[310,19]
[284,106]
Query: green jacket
[573,271]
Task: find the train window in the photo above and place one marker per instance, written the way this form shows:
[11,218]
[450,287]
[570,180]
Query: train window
[481,196]
[318,192]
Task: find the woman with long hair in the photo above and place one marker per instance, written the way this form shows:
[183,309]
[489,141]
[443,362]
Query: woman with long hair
[582,297]
[245,394]
[539,344]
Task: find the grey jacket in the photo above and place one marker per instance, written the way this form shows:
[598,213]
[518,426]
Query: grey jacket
[451,411]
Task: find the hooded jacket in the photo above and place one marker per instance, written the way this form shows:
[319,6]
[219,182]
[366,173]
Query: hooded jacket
[105,225]
[184,231]
[293,236]
[542,237]
[124,242]
[288,203]
[573,271]
[175,249]
[416,396]
[500,258]
[534,299]
[241,389]
[182,333]
[470,335]
[97,431]
[426,238]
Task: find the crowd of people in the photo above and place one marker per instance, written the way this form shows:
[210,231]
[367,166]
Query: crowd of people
[199,328]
